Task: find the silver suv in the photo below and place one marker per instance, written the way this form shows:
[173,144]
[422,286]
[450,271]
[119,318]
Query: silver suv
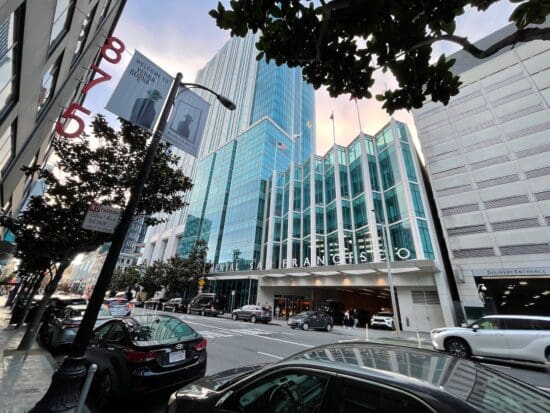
[513,337]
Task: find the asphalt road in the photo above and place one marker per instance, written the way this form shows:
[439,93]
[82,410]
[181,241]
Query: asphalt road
[239,343]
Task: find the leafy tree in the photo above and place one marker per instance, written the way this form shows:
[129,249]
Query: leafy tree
[49,233]
[340,43]
[179,277]
[154,278]
[123,280]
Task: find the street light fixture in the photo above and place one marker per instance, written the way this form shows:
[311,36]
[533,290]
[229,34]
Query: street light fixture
[64,391]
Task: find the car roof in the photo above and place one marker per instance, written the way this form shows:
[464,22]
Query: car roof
[408,368]
[525,317]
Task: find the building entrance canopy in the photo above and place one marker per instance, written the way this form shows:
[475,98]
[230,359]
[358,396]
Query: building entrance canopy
[405,272]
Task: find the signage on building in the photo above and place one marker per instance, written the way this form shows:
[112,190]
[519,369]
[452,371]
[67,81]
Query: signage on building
[111,51]
[186,123]
[402,254]
[141,92]
[101,218]
[492,272]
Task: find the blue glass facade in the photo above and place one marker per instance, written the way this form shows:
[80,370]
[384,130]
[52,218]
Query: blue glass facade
[350,199]
[228,204]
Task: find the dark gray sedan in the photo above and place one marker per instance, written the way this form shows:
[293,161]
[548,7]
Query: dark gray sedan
[362,377]
[316,320]
[252,313]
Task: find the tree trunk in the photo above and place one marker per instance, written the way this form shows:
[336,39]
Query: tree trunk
[33,291]
[34,325]
[23,291]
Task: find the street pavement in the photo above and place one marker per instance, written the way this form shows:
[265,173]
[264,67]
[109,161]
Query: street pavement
[239,343]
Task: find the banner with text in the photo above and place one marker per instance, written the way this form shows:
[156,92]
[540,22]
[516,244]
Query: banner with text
[141,92]
[186,123]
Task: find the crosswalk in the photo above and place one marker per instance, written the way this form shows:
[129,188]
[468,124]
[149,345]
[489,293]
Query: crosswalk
[209,334]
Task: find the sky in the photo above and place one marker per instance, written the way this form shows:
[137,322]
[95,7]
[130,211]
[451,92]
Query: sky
[180,36]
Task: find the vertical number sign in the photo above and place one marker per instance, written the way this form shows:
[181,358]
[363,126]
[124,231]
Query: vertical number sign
[111,51]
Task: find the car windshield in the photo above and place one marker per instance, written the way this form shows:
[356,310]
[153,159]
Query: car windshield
[384,314]
[157,330]
[304,314]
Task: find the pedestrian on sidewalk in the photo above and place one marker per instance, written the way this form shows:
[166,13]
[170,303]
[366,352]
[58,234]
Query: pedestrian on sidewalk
[355,317]
[347,321]
[277,312]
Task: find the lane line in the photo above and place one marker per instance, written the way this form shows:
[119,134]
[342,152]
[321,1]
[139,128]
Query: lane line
[285,341]
[218,328]
[271,355]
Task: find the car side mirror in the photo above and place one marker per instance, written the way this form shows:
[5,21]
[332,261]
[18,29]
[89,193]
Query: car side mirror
[475,327]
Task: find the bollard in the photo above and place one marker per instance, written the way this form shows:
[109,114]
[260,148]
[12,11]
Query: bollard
[367,331]
[86,388]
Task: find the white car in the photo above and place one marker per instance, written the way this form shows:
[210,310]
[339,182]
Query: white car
[513,337]
[382,319]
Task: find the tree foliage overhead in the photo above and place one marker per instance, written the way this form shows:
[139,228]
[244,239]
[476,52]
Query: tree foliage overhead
[49,230]
[340,43]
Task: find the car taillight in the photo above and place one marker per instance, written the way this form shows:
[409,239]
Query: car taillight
[140,356]
[200,346]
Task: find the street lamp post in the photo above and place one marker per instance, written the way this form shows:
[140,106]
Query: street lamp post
[67,381]
[390,280]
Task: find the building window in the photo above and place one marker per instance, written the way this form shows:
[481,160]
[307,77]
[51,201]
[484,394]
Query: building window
[8,142]
[10,37]
[48,85]
[402,241]
[83,36]
[426,240]
[61,21]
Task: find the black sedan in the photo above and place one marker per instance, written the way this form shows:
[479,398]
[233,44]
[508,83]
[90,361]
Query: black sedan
[252,313]
[362,377]
[141,354]
[311,320]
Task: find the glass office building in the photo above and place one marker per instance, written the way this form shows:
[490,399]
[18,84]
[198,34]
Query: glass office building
[227,205]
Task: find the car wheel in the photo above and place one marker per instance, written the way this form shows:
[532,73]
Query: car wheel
[234,316]
[305,326]
[329,327]
[458,347]
[203,313]
[253,319]
[106,390]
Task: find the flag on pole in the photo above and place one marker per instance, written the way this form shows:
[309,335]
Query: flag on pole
[282,146]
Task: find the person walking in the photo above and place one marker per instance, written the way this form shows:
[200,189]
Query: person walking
[347,319]
[277,312]
[355,317]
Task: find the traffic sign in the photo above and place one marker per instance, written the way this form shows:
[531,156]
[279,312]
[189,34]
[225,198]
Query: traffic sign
[101,218]
[201,282]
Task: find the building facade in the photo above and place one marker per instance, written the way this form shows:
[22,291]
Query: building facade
[322,229]
[487,156]
[232,72]
[46,48]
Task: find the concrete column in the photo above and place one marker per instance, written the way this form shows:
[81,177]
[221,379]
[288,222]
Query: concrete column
[290,217]
[370,202]
[271,227]
[339,215]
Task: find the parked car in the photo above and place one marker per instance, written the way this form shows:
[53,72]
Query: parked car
[383,320]
[513,337]
[55,308]
[143,354]
[176,305]
[361,377]
[306,320]
[253,313]
[61,330]
[207,304]
[154,304]
[118,306]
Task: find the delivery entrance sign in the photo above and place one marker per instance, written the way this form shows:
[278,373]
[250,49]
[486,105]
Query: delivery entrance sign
[101,218]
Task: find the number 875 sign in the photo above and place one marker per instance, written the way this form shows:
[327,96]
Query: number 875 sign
[111,51]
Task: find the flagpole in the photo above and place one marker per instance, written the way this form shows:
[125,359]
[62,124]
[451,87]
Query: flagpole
[358,115]
[275,163]
[333,128]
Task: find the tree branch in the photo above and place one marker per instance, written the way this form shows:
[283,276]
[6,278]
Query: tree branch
[520,36]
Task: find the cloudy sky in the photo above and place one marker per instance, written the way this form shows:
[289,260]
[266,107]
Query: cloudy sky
[179,35]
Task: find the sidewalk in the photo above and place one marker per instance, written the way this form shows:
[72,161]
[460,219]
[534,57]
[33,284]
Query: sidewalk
[24,376]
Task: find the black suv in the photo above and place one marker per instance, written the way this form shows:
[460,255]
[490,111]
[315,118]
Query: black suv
[207,304]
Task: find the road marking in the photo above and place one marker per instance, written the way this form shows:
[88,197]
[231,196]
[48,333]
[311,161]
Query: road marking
[285,341]
[213,334]
[218,328]
[271,355]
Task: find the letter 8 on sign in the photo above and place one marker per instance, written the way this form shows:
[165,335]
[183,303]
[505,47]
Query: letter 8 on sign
[110,44]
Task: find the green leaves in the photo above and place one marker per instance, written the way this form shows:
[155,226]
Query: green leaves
[340,43]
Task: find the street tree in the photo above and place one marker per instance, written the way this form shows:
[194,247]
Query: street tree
[49,234]
[126,279]
[341,43]
[154,278]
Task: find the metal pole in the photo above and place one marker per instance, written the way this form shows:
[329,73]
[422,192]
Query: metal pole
[87,383]
[390,284]
[249,288]
[67,380]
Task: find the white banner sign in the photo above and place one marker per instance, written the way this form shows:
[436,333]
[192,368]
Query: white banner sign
[186,123]
[101,218]
[141,92]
